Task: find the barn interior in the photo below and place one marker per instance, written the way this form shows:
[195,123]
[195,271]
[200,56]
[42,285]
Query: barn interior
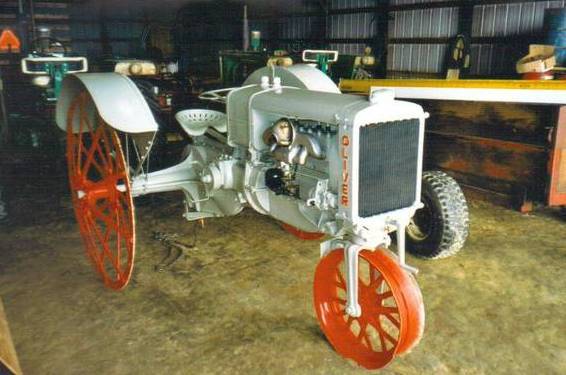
[177,178]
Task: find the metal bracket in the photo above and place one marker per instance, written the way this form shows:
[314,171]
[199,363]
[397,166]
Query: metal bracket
[351,259]
[400,233]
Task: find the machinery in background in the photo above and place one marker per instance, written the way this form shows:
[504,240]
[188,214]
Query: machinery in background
[165,91]
[290,146]
[49,63]
[235,65]
[338,66]
[355,66]
[31,150]
[322,59]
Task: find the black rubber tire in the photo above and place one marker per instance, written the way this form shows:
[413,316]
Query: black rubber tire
[439,229]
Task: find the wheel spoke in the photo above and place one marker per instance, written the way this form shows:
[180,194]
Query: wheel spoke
[383,333]
[341,281]
[388,310]
[340,301]
[108,144]
[393,320]
[90,154]
[106,218]
[363,327]
[385,295]
[349,320]
[118,239]
[376,283]
[105,155]
[105,248]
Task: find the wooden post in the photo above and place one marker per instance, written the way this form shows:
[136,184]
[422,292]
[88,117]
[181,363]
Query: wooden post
[557,162]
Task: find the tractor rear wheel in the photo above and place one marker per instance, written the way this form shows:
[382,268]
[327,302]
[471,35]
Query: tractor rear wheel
[440,228]
[100,188]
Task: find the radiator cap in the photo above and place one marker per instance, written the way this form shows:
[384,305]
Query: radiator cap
[379,96]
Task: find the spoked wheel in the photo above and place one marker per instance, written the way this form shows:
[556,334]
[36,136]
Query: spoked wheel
[392,320]
[309,236]
[100,189]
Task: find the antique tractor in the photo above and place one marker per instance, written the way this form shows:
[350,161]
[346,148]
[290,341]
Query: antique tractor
[291,146]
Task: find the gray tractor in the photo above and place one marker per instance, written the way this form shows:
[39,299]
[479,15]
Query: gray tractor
[341,168]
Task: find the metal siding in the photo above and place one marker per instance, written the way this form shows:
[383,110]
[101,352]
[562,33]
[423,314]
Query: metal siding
[54,15]
[420,23]
[424,23]
[123,27]
[493,20]
[511,19]
[504,20]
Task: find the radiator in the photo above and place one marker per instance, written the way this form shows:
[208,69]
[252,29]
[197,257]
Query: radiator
[388,166]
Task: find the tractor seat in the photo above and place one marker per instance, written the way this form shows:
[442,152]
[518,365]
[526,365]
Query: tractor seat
[195,122]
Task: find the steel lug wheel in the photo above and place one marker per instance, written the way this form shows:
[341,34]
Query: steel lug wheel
[392,320]
[100,189]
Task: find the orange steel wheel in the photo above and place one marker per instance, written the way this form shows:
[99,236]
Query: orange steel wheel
[301,234]
[392,320]
[100,189]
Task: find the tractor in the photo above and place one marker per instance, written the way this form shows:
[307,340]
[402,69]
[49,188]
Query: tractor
[342,169]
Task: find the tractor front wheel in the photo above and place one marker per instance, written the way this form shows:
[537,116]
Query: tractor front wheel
[392,320]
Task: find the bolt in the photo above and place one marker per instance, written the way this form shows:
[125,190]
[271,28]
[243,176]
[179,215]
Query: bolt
[207,179]
[81,194]
[353,312]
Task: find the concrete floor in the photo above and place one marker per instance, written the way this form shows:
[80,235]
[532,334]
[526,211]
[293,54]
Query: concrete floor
[241,301]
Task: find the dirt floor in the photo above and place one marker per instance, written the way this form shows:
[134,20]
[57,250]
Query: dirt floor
[241,301]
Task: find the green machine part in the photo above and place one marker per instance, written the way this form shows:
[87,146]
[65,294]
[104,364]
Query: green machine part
[235,66]
[256,40]
[57,72]
[323,63]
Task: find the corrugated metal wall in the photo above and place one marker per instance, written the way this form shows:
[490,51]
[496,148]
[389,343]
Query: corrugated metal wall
[418,39]
[298,30]
[350,26]
[123,28]
[52,14]
[419,57]
[419,31]
[495,23]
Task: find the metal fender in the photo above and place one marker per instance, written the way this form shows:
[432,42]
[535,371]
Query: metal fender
[302,76]
[116,98]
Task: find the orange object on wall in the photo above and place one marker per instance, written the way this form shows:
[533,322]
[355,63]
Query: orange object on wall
[9,42]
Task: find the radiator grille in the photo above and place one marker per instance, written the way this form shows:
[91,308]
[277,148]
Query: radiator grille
[388,166]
